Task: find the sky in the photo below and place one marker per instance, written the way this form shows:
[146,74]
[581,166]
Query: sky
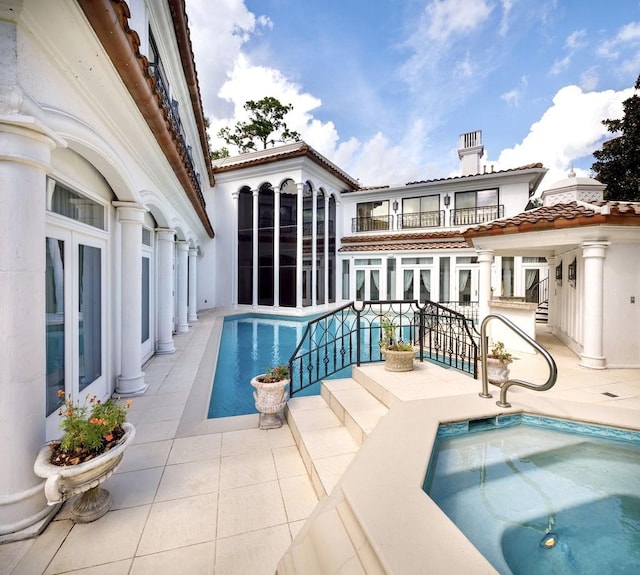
[384,88]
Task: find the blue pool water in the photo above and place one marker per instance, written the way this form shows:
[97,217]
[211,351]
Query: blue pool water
[540,495]
[249,345]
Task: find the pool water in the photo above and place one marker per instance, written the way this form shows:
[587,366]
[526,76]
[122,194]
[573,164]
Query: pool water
[249,345]
[539,495]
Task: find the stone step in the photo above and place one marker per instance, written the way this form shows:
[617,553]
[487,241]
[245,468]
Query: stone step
[355,407]
[326,446]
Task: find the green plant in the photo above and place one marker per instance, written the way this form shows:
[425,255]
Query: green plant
[498,351]
[89,427]
[388,340]
[277,373]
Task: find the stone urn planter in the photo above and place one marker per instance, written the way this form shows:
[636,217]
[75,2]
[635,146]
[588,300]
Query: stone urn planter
[498,370]
[498,362]
[398,360]
[63,482]
[270,395]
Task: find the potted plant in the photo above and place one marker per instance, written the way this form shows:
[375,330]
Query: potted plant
[270,395]
[498,360]
[398,355]
[90,450]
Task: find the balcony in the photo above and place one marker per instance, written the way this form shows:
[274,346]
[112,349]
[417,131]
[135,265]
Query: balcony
[434,219]
[469,216]
[371,224]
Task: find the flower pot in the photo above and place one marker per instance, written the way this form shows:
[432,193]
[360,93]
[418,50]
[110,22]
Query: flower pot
[498,370]
[398,360]
[270,398]
[64,482]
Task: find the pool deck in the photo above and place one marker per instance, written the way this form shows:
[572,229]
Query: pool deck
[198,496]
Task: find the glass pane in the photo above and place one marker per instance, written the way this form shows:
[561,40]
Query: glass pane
[410,205]
[375,285]
[345,279]
[73,205]
[360,285]
[507,276]
[408,284]
[487,198]
[464,286]
[425,285]
[391,278]
[429,203]
[54,294]
[444,279]
[89,314]
[145,300]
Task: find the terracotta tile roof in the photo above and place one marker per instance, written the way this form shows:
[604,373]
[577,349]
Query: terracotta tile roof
[569,215]
[535,166]
[279,153]
[402,236]
[447,239]
[401,247]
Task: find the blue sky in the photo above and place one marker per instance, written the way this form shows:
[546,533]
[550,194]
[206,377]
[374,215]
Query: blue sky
[384,88]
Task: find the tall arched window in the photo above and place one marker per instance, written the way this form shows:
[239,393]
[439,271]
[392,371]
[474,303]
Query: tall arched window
[265,245]
[320,239]
[245,246]
[332,249]
[288,239]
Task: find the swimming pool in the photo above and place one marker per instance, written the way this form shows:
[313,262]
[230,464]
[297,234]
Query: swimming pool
[249,345]
[541,495]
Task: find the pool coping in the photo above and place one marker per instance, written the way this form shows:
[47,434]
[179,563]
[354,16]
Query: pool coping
[405,528]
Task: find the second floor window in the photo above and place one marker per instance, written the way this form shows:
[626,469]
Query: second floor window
[476,207]
[422,212]
[372,216]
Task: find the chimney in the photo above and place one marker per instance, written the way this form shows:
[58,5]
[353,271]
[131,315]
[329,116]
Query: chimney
[470,151]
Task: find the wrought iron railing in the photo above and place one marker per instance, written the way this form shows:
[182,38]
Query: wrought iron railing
[433,219]
[538,292]
[469,309]
[351,335]
[371,223]
[464,216]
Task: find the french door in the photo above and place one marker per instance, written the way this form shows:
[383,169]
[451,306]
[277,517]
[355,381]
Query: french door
[367,285]
[75,319]
[416,284]
[147,316]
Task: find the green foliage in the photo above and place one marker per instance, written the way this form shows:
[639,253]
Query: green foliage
[89,427]
[618,162]
[277,373]
[265,126]
[221,153]
[388,340]
[499,351]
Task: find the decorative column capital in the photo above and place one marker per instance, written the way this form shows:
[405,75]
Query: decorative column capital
[594,249]
[165,234]
[193,252]
[130,212]
[485,256]
[182,245]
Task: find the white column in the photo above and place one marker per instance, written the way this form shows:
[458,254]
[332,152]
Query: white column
[256,239]
[25,149]
[314,247]
[131,380]
[593,254]
[276,248]
[485,258]
[234,250]
[326,250]
[183,254]
[193,285]
[165,291]
[299,238]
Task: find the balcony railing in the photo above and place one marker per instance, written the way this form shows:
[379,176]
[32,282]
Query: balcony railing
[466,216]
[433,219]
[371,223]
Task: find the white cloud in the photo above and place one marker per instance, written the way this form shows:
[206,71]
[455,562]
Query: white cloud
[569,130]
[628,35]
[445,18]
[507,6]
[559,66]
[512,98]
[576,40]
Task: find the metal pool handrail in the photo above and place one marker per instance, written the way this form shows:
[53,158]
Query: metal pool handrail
[484,340]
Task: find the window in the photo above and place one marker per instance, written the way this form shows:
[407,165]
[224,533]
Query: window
[76,206]
[422,212]
[476,207]
[368,262]
[372,216]
[416,261]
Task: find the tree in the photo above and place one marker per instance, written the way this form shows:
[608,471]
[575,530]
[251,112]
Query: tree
[265,126]
[618,162]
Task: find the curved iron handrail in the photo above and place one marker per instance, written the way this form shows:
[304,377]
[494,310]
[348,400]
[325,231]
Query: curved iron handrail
[553,368]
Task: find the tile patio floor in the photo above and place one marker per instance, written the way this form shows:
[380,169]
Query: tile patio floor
[197,497]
